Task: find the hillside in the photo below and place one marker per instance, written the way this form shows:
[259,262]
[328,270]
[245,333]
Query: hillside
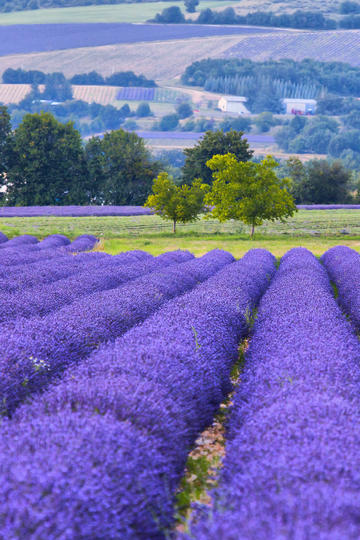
[161,60]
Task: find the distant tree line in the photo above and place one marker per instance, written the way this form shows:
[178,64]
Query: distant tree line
[44,161]
[321,181]
[121,78]
[331,77]
[324,135]
[299,19]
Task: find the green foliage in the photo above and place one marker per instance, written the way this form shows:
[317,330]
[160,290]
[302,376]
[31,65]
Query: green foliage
[212,143]
[180,204]
[184,110]
[319,181]
[298,19]
[45,163]
[265,121]
[240,123]
[247,191]
[168,122]
[172,14]
[5,142]
[191,5]
[120,168]
[57,88]
[291,78]
[349,7]
[143,110]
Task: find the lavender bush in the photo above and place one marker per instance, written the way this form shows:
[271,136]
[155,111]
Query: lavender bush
[113,435]
[292,462]
[343,266]
[33,350]
[27,249]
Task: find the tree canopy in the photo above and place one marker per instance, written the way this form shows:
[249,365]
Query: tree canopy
[180,204]
[247,191]
[120,167]
[46,164]
[213,142]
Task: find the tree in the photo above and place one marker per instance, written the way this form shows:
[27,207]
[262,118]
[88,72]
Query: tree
[5,140]
[120,168]
[325,183]
[47,163]
[247,191]
[57,87]
[168,122]
[172,14]
[190,5]
[213,142]
[184,110]
[177,203]
[143,110]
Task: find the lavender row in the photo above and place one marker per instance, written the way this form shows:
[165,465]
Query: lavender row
[292,461]
[113,437]
[22,253]
[33,350]
[73,211]
[30,242]
[343,267]
[100,275]
[14,278]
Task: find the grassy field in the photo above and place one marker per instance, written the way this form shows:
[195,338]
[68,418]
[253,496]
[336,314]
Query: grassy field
[130,13]
[316,230]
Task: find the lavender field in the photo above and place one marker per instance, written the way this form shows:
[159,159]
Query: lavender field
[113,365]
[17,39]
[73,211]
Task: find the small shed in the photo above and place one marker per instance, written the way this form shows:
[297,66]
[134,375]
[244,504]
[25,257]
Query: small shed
[299,106]
[233,104]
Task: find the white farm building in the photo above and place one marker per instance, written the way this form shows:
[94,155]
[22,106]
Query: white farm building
[233,104]
[299,106]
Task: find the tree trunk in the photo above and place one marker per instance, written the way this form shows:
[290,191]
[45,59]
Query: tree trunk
[252,230]
[174,226]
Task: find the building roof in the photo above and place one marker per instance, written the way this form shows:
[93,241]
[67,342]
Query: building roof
[241,99]
[296,100]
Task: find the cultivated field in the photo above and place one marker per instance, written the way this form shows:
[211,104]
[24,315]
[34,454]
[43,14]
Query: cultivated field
[133,13]
[129,13]
[115,370]
[161,60]
[317,230]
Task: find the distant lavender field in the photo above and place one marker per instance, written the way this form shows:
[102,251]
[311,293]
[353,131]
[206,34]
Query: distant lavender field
[122,211]
[72,211]
[328,206]
[191,135]
[24,38]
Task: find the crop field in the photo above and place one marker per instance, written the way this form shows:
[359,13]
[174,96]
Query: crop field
[129,13]
[19,39]
[338,45]
[161,60]
[318,230]
[113,366]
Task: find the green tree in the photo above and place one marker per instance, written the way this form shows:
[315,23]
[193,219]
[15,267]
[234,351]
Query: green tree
[120,168]
[47,163]
[168,122]
[212,143]
[180,204]
[5,142]
[247,191]
[57,87]
[190,5]
[143,110]
[172,14]
[325,183]
[184,110]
